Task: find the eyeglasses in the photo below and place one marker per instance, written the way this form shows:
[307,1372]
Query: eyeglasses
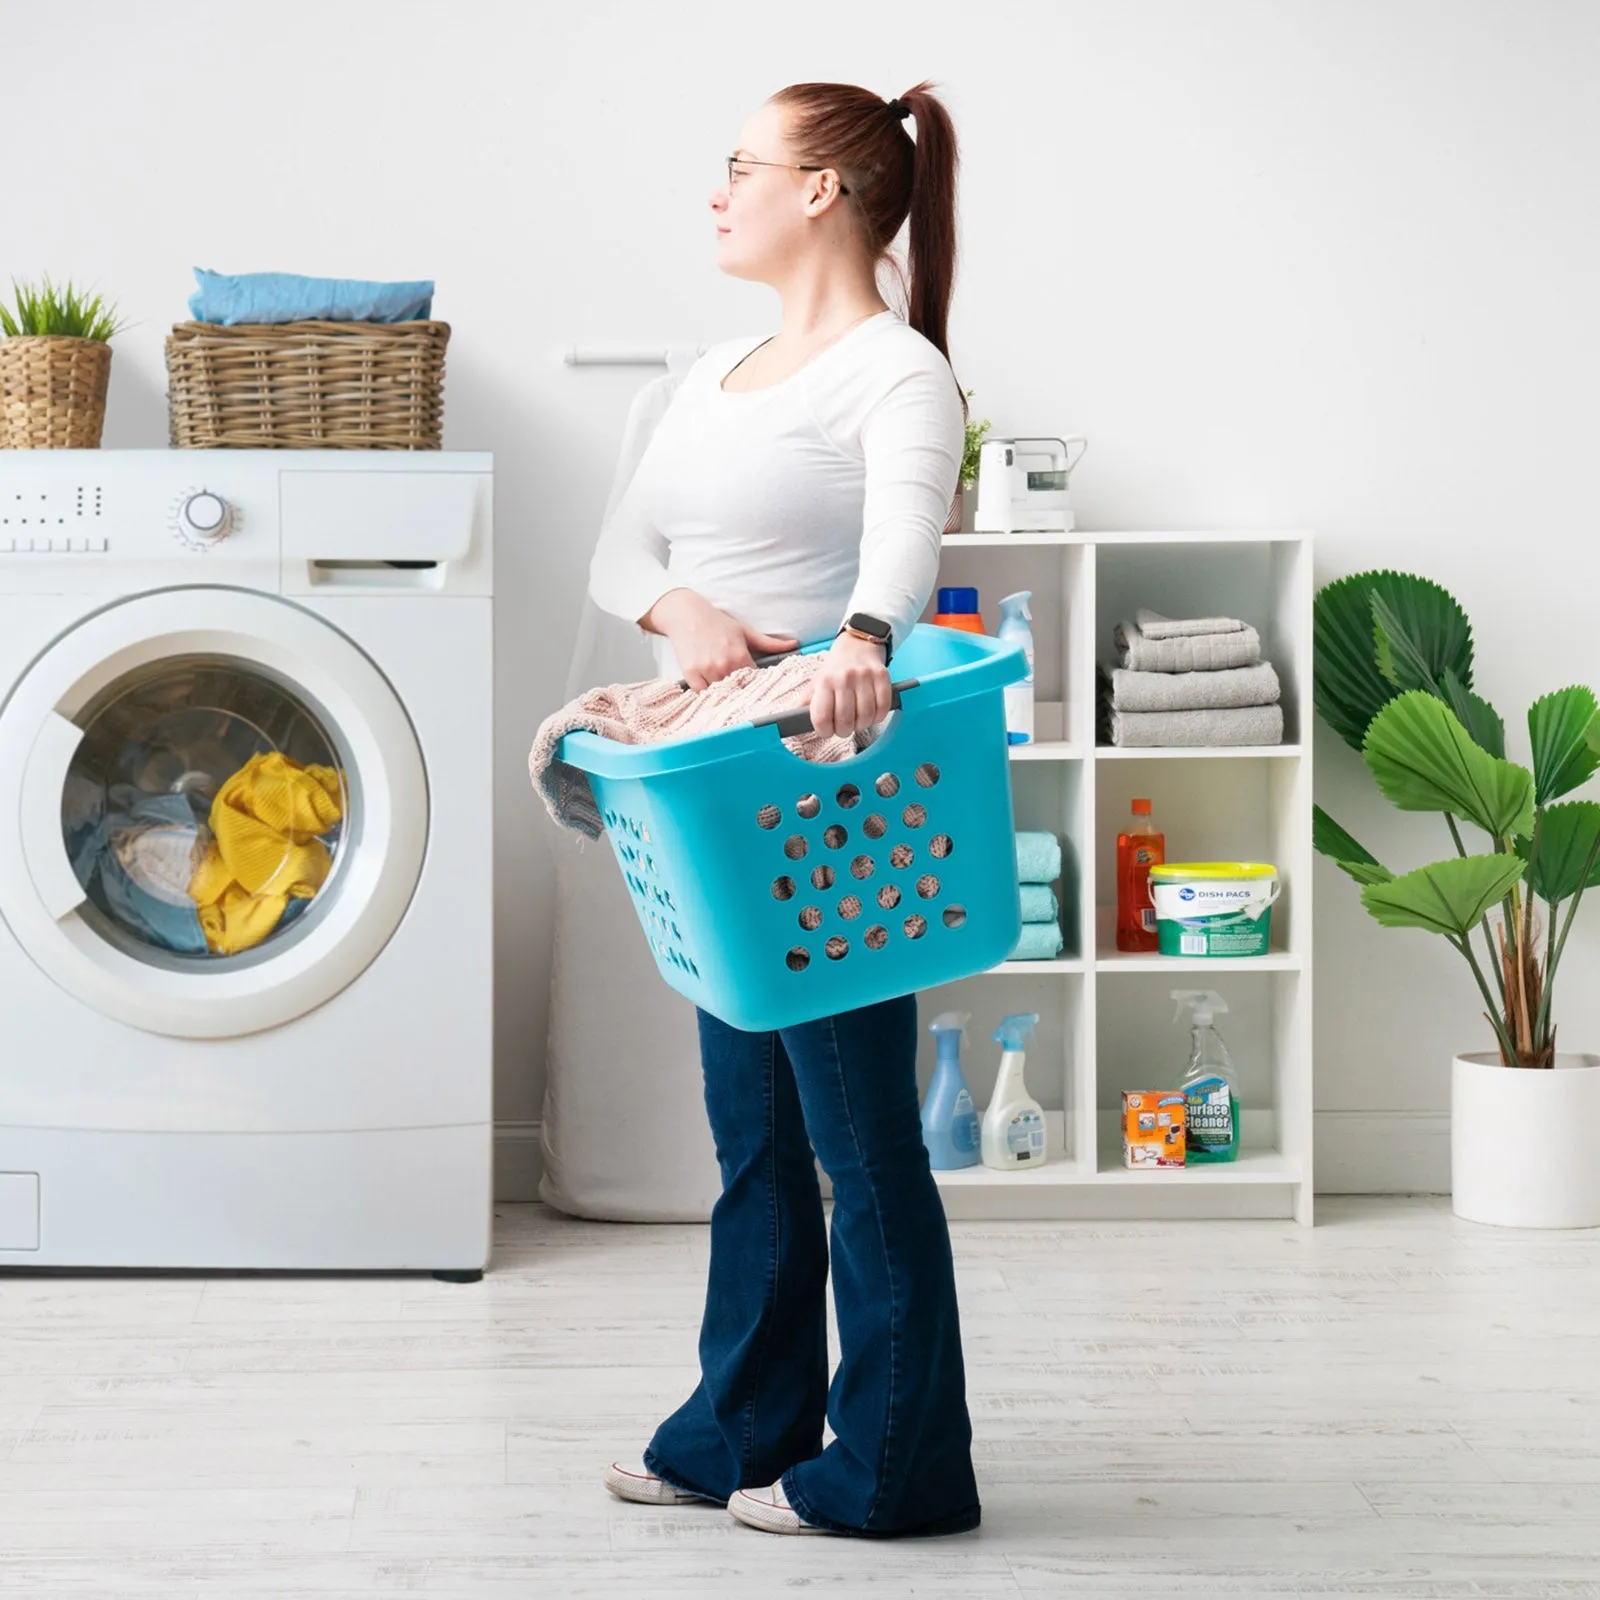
[745,161]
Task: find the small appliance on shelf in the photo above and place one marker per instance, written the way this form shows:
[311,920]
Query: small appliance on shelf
[1023,485]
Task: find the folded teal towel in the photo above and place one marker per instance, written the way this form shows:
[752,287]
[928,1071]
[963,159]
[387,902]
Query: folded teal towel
[1040,941]
[1038,903]
[1038,858]
[285,297]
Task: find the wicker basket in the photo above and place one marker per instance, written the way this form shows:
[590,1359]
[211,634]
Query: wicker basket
[52,392]
[307,385]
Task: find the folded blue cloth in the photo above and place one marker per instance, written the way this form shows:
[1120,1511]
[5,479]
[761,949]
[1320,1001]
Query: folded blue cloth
[1040,941]
[1038,857]
[226,299]
[1038,903]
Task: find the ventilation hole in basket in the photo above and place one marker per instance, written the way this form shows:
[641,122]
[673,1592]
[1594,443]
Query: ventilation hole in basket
[794,847]
[861,867]
[888,897]
[916,927]
[927,886]
[798,959]
[914,816]
[888,786]
[822,877]
[875,826]
[901,855]
[837,948]
[850,907]
[940,845]
[768,817]
[783,888]
[835,836]
[954,916]
[927,775]
[811,918]
[876,937]
[808,805]
[847,796]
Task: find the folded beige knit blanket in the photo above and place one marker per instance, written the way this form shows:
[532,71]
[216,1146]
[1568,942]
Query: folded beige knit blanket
[646,713]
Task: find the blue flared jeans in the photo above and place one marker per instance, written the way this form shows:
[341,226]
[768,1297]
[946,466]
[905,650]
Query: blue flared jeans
[900,1461]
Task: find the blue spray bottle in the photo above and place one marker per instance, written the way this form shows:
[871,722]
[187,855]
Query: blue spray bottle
[950,1128]
[1016,627]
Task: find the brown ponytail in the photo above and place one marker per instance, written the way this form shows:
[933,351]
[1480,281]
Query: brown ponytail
[890,179]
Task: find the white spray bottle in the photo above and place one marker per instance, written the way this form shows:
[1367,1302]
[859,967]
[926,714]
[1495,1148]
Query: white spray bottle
[1013,1126]
[1016,627]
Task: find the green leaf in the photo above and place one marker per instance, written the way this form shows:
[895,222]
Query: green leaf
[1424,760]
[1426,627]
[1565,836]
[1448,897]
[1560,729]
[1421,629]
[1478,717]
[1330,840]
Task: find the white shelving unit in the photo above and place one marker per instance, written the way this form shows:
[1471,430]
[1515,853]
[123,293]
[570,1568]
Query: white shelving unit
[1106,1019]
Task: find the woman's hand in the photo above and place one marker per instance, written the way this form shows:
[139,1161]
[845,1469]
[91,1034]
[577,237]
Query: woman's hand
[851,689]
[708,643]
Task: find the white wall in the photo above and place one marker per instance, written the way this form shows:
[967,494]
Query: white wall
[1328,265]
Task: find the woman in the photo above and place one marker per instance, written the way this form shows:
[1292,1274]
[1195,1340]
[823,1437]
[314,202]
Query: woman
[796,490]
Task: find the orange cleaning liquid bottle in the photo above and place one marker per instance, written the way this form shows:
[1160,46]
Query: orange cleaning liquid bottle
[958,608]
[1141,847]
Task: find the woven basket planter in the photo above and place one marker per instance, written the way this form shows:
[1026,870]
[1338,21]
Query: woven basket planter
[52,392]
[307,385]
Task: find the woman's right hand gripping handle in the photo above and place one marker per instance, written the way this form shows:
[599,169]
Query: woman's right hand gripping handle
[708,643]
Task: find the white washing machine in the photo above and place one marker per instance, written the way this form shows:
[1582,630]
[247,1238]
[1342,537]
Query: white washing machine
[245,859]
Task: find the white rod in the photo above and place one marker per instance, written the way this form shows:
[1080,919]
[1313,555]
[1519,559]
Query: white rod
[625,355]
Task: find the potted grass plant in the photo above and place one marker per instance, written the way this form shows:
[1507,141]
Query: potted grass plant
[969,471]
[1394,679]
[55,361]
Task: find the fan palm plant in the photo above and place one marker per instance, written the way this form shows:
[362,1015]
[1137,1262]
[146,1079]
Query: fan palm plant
[1394,679]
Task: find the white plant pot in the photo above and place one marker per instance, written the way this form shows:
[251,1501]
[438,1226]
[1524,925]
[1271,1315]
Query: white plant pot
[1522,1142]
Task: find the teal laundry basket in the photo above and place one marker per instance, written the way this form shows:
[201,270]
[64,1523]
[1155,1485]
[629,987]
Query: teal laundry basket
[774,890]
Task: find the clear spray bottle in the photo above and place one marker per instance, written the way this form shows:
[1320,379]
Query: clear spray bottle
[1210,1082]
[1016,627]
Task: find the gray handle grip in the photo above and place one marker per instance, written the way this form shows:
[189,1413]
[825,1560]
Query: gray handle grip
[791,724]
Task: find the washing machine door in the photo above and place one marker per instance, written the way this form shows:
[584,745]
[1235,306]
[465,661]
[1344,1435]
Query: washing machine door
[213,812]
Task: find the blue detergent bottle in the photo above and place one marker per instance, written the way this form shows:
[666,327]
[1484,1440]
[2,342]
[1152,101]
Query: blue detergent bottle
[950,1128]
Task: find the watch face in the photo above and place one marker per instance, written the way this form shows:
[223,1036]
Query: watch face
[872,625]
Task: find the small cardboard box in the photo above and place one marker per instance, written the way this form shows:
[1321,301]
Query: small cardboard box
[1153,1128]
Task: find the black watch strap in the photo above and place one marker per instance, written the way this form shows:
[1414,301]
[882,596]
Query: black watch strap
[875,628]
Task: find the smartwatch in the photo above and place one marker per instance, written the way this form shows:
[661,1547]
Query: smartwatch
[875,629]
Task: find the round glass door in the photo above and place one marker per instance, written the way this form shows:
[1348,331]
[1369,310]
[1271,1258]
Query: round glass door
[206,812]
[213,811]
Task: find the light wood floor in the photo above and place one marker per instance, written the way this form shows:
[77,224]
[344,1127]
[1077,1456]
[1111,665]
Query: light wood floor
[1392,1403]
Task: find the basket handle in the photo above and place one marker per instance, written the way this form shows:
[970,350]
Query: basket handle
[758,661]
[792,724]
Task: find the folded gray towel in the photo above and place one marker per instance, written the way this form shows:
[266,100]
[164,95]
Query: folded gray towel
[1191,691]
[1204,652]
[1155,626]
[1231,726]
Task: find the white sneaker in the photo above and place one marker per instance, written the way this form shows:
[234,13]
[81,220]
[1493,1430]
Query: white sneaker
[646,1489]
[769,1510]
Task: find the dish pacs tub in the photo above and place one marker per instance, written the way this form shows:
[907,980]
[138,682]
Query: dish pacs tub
[774,890]
[1213,908]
